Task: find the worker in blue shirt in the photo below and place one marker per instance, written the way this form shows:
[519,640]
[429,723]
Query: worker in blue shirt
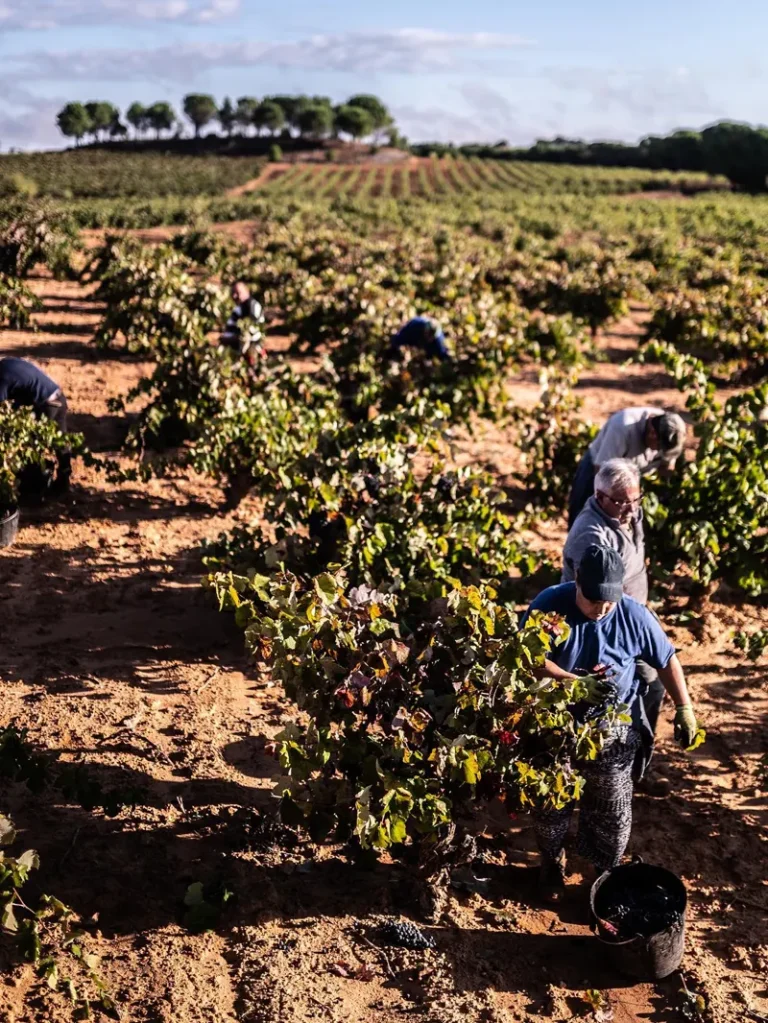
[609,633]
[423,333]
[26,386]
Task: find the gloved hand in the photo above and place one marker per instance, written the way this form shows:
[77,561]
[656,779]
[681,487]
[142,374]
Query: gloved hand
[686,725]
[601,687]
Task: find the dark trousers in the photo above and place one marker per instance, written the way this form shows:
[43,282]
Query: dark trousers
[583,487]
[56,410]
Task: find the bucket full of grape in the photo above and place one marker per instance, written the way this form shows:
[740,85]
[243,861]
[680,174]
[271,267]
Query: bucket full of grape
[638,913]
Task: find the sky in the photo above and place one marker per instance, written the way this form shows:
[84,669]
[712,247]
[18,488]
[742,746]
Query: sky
[456,71]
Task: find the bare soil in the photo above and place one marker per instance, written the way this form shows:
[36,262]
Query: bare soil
[114,657]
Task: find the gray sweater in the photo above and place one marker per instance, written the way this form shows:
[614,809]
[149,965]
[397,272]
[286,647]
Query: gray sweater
[594,526]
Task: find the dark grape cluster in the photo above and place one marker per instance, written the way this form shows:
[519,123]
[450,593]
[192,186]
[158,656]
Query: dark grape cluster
[372,485]
[445,488]
[404,935]
[645,913]
[258,832]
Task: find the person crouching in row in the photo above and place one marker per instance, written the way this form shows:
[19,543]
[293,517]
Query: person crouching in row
[423,334]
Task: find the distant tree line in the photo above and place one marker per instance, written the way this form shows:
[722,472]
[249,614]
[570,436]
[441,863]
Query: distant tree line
[736,150]
[311,117]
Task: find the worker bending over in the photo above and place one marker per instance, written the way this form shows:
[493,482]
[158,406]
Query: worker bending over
[424,334]
[648,437]
[26,386]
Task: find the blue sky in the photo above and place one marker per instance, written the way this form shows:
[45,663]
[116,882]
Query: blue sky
[459,71]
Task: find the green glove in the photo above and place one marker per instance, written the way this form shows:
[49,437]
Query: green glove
[686,726]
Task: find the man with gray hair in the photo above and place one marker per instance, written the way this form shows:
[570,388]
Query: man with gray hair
[613,517]
[648,437]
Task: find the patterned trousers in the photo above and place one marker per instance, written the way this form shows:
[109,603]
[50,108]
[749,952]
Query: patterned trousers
[605,808]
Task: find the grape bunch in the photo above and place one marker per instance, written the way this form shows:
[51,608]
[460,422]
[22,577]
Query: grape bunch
[646,913]
[445,488]
[404,935]
[373,485]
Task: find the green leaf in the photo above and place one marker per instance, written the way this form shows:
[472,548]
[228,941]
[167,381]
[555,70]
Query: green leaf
[471,768]
[7,832]
[30,860]
[326,588]
[398,830]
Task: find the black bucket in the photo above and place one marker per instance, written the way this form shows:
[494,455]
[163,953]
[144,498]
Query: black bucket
[638,912]
[9,527]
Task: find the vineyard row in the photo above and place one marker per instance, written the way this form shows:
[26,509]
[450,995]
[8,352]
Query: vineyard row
[433,177]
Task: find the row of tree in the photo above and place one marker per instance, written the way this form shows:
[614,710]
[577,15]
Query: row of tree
[306,116]
[736,150]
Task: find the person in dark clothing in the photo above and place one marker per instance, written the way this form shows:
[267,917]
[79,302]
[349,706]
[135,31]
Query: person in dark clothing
[244,343]
[26,386]
[423,333]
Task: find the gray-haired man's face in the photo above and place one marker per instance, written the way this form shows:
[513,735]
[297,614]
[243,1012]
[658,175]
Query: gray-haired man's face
[621,501]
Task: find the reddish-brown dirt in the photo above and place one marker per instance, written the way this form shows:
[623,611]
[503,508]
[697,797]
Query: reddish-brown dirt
[115,658]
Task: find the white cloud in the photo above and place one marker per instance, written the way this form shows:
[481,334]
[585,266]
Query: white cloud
[31,124]
[44,15]
[403,51]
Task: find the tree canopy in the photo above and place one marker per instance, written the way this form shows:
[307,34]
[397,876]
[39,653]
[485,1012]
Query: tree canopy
[227,116]
[102,115]
[161,116]
[136,116]
[312,117]
[269,115]
[74,121]
[379,114]
[315,120]
[354,121]
[246,108]
[201,109]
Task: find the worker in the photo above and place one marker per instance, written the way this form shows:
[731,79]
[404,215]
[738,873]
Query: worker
[244,342]
[613,517]
[26,386]
[609,632]
[423,333]
[649,437]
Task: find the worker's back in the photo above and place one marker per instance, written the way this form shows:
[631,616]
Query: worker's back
[23,383]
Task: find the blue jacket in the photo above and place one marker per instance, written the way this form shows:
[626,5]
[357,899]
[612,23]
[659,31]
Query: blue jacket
[424,333]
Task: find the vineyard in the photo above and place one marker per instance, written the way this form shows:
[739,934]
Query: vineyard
[437,178]
[265,691]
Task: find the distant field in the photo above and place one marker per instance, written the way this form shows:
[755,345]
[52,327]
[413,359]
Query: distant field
[96,173]
[435,178]
[107,174]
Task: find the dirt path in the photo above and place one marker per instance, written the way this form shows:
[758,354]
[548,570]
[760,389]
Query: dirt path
[104,622]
